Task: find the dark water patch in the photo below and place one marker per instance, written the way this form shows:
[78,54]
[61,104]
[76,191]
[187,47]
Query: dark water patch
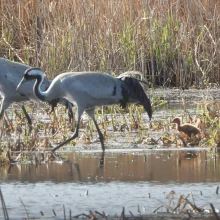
[164,166]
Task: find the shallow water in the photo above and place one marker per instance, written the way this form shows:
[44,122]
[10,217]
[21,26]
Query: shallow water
[127,179]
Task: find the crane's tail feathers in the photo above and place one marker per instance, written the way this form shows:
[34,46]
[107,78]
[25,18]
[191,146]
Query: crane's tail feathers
[135,91]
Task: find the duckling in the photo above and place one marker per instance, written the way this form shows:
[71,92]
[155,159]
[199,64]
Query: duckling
[186,128]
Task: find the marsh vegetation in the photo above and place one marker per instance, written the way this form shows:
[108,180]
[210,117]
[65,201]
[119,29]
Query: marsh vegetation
[173,43]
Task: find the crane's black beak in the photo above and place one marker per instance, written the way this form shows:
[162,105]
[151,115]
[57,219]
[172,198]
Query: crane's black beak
[21,83]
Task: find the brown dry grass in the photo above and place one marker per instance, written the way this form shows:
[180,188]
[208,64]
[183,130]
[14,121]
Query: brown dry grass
[173,42]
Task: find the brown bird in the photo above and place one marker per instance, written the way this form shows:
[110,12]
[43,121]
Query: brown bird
[186,128]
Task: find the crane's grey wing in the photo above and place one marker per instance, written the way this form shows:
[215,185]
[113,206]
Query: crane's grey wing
[93,85]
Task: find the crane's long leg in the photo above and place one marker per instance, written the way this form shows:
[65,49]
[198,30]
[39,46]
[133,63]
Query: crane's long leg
[101,137]
[70,111]
[1,113]
[72,137]
[27,116]
[90,112]
[4,105]
[102,160]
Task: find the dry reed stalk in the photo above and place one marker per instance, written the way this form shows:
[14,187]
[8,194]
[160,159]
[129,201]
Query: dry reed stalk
[4,206]
[24,208]
[214,212]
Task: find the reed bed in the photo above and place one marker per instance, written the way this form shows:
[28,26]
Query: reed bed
[173,42]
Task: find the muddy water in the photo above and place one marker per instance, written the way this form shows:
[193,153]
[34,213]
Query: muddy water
[127,179]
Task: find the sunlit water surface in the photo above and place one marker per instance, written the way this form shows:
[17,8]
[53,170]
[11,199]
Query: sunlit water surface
[138,180]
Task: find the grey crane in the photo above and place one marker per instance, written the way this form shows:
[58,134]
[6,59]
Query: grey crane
[11,74]
[89,90]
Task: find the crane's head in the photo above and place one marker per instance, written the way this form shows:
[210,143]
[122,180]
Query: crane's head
[31,74]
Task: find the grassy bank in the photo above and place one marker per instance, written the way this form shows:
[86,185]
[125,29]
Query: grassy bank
[173,42]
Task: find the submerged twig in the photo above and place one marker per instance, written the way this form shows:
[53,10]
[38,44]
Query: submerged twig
[64,212]
[214,212]
[193,198]
[122,217]
[24,208]
[139,211]
[83,214]
[158,208]
[70,213]
[54,213]
[131,214]
[102,215]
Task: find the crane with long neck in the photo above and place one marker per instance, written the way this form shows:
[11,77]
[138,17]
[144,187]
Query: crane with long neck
[89,90]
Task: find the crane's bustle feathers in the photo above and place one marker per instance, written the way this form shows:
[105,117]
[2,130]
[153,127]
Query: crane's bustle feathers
[134,90]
